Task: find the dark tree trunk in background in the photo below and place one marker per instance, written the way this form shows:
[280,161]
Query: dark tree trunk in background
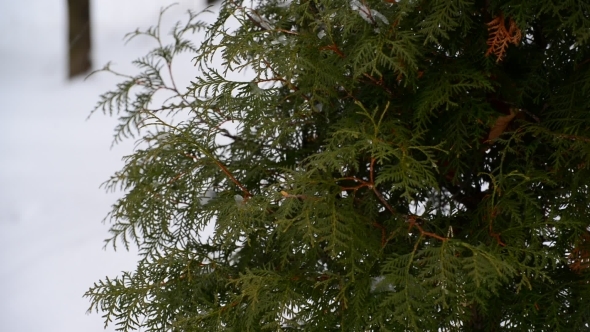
[79,43]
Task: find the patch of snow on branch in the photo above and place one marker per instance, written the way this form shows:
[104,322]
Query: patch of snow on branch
[367,13]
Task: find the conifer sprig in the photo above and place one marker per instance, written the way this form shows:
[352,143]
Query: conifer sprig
[374,169]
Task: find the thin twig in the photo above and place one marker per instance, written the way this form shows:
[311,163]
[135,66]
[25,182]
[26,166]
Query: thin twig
[413,223]
[233,179]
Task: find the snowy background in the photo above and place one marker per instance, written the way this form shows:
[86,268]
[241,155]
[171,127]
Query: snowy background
[52,159]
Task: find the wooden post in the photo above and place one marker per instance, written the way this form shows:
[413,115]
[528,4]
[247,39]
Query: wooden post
[79,42]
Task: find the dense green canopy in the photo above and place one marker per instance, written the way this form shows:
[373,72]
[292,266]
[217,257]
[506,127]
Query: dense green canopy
[385,166]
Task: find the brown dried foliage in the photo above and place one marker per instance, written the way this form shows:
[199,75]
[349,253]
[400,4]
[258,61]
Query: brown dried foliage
[500,125]
[500,37]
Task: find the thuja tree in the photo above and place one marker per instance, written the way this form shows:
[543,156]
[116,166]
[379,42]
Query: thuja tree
[381,166]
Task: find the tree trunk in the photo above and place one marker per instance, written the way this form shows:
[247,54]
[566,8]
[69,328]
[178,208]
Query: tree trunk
[79,42]
[477,320]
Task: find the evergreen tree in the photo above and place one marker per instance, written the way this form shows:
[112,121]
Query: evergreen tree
[389,165]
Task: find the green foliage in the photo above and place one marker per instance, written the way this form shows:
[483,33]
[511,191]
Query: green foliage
[377,169]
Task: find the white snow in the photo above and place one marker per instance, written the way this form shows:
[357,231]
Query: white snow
[366,13]
[52,160]
[239,199]
[209,195]
[263,21]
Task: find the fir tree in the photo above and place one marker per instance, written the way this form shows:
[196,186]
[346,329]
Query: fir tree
[388,166]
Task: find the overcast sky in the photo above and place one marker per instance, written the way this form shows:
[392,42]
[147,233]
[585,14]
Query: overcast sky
[52,160]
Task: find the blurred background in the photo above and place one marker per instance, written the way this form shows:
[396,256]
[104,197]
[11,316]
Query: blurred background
[52,159]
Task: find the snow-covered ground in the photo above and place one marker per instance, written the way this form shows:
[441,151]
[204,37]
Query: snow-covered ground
[52,160]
